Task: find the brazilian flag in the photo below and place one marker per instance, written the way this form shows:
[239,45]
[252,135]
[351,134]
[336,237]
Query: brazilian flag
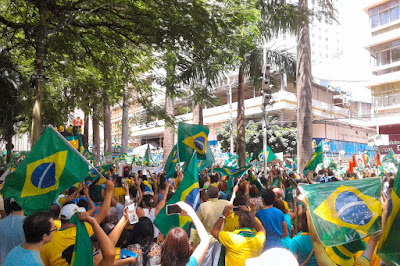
[188,191]
[93,175]
[254,180]
[207,162]
[88,155]
[74,141]
[193,138]
[270,155]
[345,211]
[388,247]
[172,160]
[317,158]
[123,157]
[233,161]
[232,172]
[83,245]
[51,167]
[390,157]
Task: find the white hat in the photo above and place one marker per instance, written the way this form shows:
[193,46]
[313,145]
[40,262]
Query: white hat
[68,210]
[274,256]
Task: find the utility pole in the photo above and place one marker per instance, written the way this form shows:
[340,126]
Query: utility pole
[266,93]
[230,115]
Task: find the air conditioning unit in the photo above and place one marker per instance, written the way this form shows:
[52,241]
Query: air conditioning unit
[378,140]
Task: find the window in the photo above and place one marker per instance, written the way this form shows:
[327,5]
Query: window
[384,13]
[386,53]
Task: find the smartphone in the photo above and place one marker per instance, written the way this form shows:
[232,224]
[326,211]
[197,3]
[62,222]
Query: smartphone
[235,208]
[294,192]
[173,209]
[385,189]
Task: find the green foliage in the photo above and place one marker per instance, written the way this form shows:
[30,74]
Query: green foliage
[280,138]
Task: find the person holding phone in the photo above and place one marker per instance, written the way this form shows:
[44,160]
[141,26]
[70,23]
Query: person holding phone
[176,248]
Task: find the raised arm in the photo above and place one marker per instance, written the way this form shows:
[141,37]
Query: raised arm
[220,221]
[162,202]
[117,231]
[201,250]
[105,206]
[106,246]
[89,200]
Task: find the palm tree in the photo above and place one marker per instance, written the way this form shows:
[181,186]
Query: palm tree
[260,22]
[304,83]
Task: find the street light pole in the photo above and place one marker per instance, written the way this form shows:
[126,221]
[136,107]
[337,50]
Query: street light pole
[230,116]
[266,96]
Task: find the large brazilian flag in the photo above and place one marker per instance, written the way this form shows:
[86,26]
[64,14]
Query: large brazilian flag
[192,138]
[188,191]
[345,211]
[49,168]
[388,248]
[232,172]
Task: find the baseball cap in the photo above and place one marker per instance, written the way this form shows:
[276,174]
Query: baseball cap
[68,210]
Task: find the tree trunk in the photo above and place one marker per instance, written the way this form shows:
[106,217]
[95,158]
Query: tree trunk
[107,126]
[86,131]
[169,105]
[40,58]
[304,94]
[9,147]
[125,121]
[197,114]
[168,132]
[241,142]
[96,137]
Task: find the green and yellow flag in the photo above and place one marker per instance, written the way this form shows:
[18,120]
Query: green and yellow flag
[388,247]
[172,160]
[390,157]
[148,157]
[233,161]
[188,191]
[74,141]
[317,158]
[192,138]
[93,175]
[231,172]
[83,245]
[345,211]
[270,155]
[207,162]
[51,167]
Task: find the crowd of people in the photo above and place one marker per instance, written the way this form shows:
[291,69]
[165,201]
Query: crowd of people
[245,226]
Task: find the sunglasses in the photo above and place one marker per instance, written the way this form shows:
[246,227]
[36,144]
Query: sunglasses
[55,229]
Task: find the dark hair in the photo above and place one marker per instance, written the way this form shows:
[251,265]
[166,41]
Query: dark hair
[118,181]
[330,172]
[278,203]
[246,218]
[162,184]
[254,191]
[36,225]
[71,190]
[212,192]
[240,200]
[268,196]
[132,192]
[175,249]
[55,210]
[214,178]
[201,180]
[143,234]
[222,186]
[83,203]
[14,206]
[203,196]
[148,201]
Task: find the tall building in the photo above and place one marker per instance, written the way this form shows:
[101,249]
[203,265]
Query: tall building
[383,45]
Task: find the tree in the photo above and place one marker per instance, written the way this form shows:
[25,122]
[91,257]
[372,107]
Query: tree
[256,23]
[11,102]
[304,81]
[280,138]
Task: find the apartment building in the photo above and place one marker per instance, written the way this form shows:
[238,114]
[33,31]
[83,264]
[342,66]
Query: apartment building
[383,43]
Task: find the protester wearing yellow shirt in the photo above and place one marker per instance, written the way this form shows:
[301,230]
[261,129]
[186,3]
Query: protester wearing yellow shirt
[119,191]
[243,243]
[56,252]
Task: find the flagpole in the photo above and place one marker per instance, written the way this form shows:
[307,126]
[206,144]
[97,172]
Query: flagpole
[75,150]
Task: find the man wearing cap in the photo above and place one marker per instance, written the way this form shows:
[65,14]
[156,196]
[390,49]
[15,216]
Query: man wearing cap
[52,252]
[11,233]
